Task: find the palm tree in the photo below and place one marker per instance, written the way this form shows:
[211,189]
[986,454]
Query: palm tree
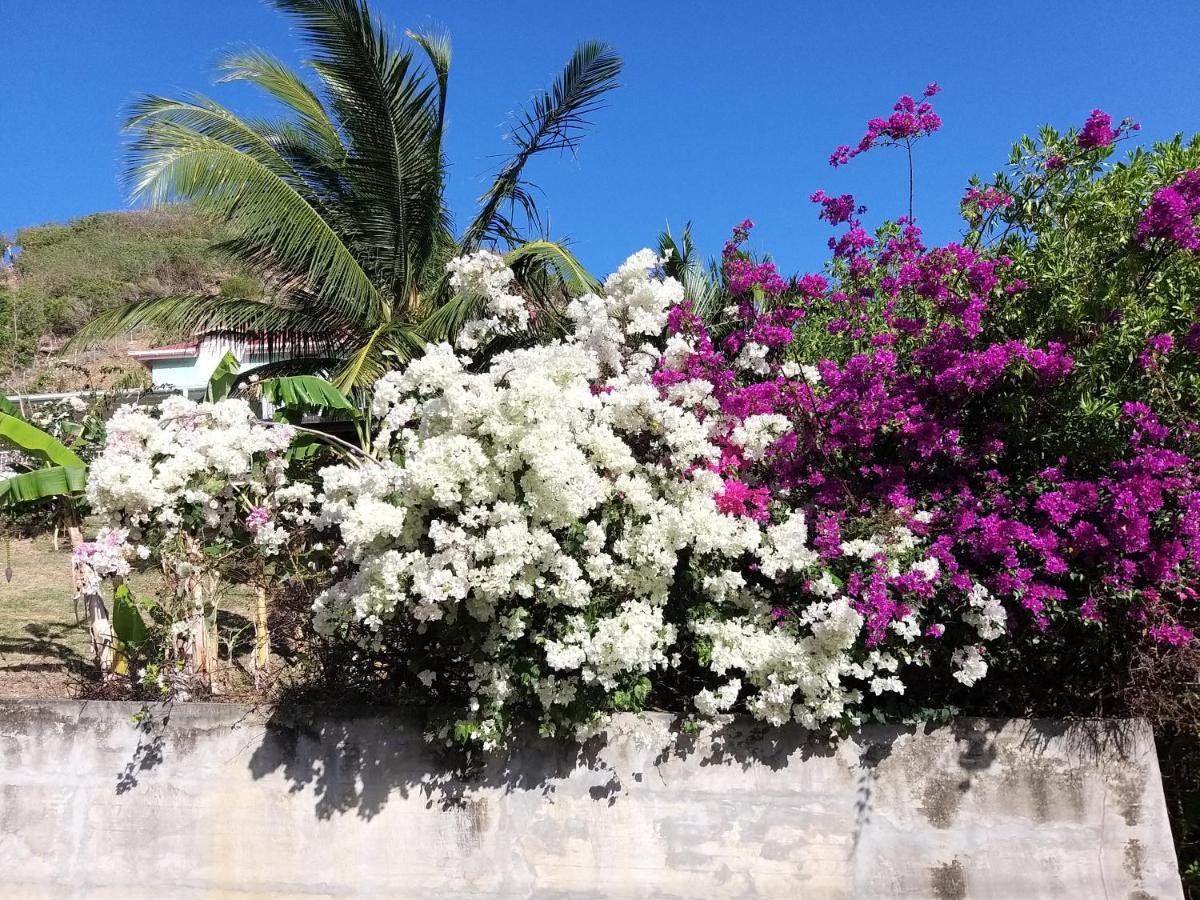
[340,207]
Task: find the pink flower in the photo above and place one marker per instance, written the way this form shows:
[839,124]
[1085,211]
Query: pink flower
[1171,635]
[909,121]
[257,518]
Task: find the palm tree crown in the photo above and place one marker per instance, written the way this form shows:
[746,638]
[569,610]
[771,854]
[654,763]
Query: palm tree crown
[340,206]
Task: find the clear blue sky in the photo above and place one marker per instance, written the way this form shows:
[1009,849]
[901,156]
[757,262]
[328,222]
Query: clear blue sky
[727,110]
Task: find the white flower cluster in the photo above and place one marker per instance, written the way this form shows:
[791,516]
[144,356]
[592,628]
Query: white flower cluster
[521,512]
[485,274]
[104,557]
[616,326]
[530,504]
[523,544]
[197,468]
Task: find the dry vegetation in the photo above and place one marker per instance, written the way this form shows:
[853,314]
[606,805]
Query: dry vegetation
[44,645]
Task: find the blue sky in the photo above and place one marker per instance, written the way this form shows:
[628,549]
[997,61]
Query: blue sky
[728,110]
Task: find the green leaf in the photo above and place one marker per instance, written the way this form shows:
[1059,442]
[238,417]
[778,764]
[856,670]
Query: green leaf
[574,276]
[32,440]
[128,626]
[305,391]
[54,481]
[10,408]
[305,446]
[554,121]
[223,378]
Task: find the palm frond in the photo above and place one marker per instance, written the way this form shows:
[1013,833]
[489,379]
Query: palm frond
[388,347]
[172,161]
[541,267]
[283,330]
[388,110]
[286,86]
[555,120]
[436,45]
[701,285]
[575,278]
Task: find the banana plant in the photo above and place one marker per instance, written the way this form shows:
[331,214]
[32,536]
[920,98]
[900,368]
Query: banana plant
[61,471]
[293,397]
[56,472]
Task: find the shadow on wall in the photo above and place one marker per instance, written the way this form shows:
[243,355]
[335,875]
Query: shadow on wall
[355,759]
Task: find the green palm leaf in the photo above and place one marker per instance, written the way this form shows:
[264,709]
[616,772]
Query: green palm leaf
[702,285]
[286,330]
[437,49]
[388,108]
[268,73]
[175,162]
[575,278]
[555,120]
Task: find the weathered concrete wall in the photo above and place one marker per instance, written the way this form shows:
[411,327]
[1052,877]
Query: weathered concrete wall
[201,800]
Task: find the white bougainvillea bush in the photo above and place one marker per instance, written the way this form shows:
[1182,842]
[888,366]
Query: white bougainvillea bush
[200,490]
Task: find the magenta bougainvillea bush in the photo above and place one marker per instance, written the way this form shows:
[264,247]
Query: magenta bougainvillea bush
[817,497]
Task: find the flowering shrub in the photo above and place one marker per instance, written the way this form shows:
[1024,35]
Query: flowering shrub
[193,488]
[799,507]
[867,491]
[577,520]
[1105,254]
[195,472]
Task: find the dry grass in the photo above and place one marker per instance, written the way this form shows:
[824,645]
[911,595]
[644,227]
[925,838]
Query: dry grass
[43,645]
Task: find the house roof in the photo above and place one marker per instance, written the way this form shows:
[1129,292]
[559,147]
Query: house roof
[191,349]
[181,350]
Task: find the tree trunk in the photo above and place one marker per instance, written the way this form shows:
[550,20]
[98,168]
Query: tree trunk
[262,638]
[200,643]
[98,620]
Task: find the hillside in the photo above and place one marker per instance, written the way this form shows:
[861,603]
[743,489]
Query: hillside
[66,274]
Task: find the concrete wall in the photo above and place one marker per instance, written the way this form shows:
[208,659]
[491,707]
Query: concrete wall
[200,800]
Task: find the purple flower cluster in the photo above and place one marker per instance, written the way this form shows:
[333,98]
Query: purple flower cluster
[257,518]
[976,201]
[1157,346]
[1171,215]
[837,210]
[1097,131]
[897,424]
[910,120]
[743,273]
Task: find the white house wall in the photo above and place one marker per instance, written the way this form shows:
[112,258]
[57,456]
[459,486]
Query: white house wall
[191,372]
